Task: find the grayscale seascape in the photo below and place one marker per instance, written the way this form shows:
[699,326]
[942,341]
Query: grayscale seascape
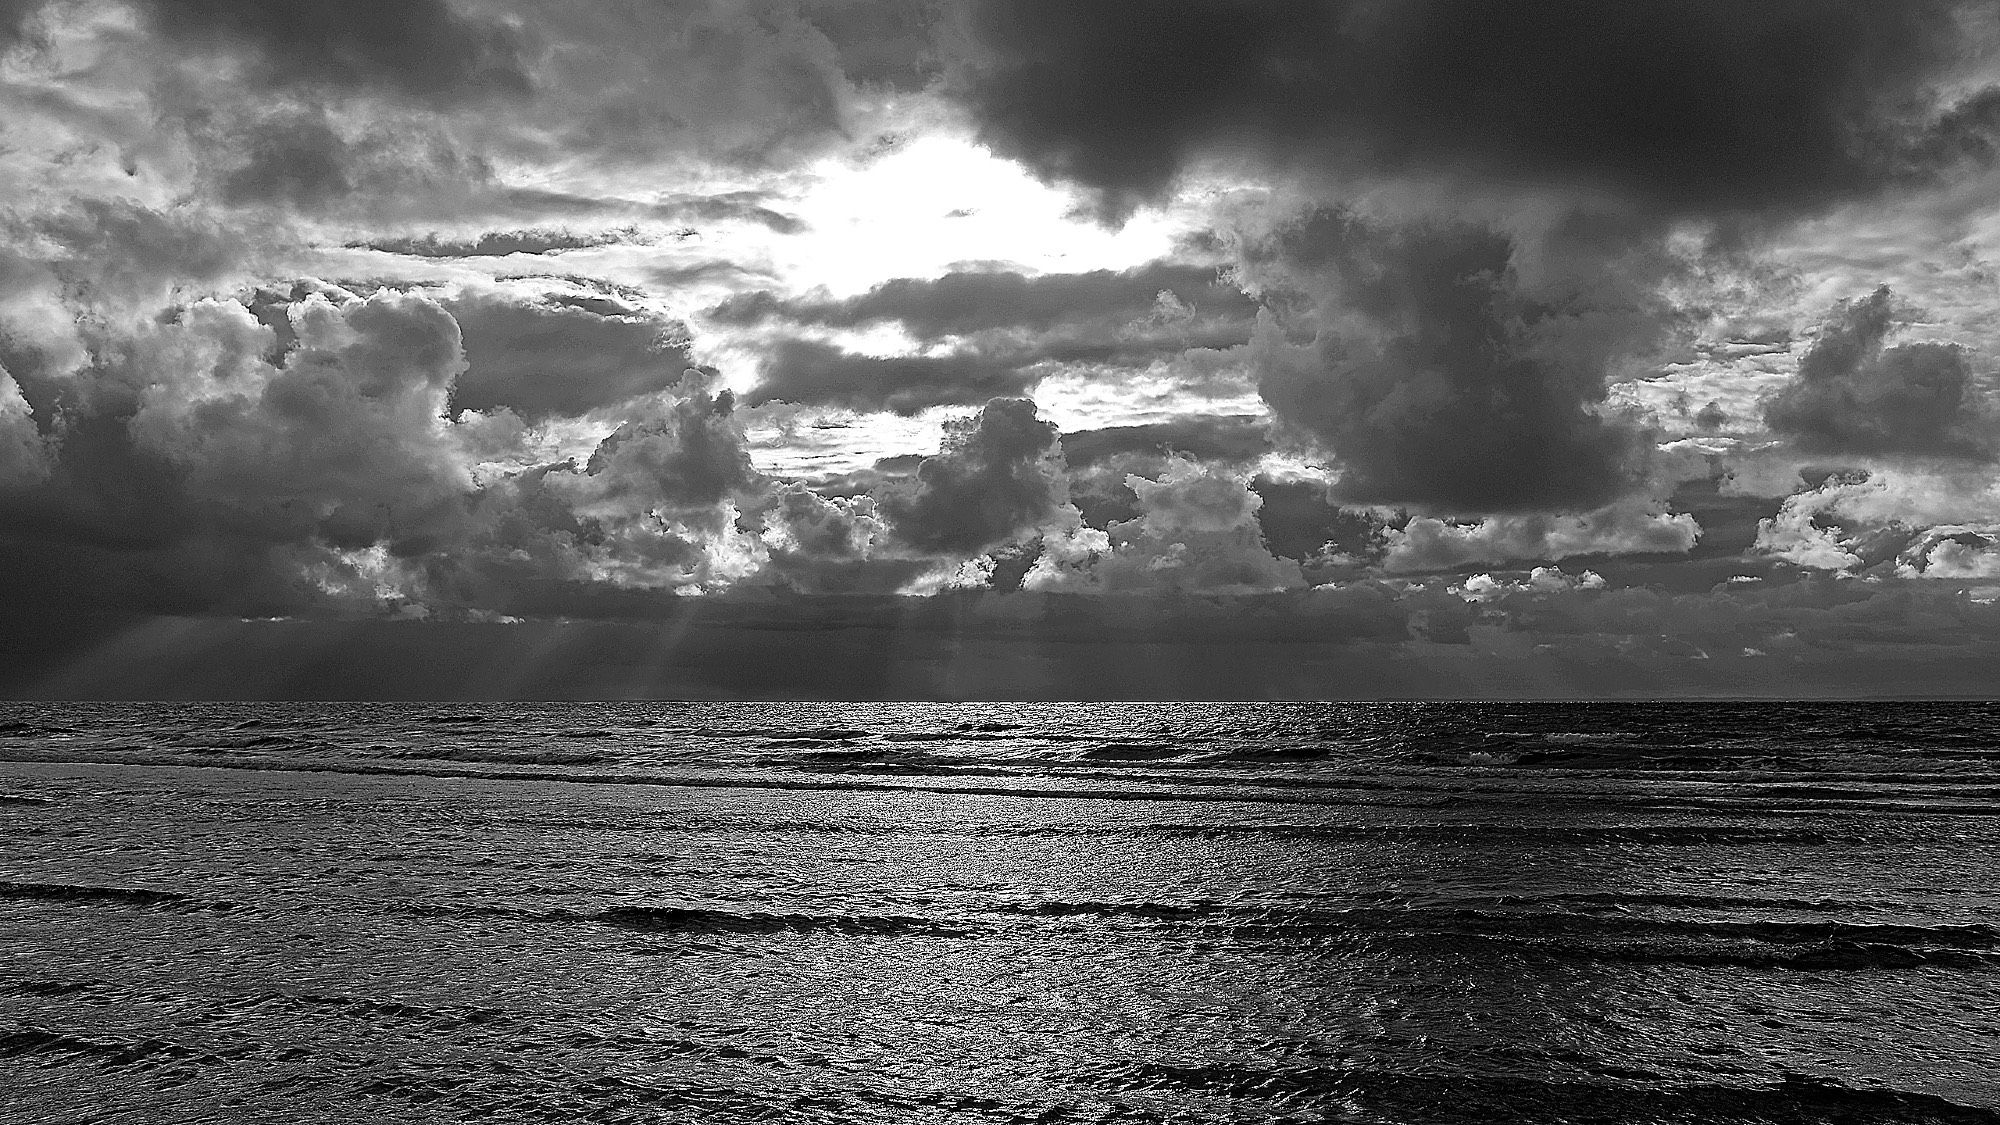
[1003,913]
[588,507]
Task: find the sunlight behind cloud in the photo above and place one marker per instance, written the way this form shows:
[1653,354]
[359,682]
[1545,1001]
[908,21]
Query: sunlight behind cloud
[936,201]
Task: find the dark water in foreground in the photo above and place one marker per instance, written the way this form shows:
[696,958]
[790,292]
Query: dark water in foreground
[1042,913]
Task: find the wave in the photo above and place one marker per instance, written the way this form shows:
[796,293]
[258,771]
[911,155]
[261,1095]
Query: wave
[1794,1099]
[502,756]
[35,1042]
[51,987]
[699,920]
[85,894]
[18,729]
[1748,943]
[1131,751]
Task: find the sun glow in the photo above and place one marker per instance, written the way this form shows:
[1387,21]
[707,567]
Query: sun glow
[936,202]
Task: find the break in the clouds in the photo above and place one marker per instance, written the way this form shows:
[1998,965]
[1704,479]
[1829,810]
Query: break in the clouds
[1325,319]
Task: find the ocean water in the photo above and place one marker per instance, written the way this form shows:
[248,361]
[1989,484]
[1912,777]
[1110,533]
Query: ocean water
[1000,913]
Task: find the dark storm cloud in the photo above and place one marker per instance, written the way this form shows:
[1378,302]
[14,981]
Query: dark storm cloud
[997,478]
[422,48]
[807,371]
[1203,437]
[297,160]
[1300,519]
[1449,384]
[890,42]
[498,243]
[561,355]
[1853,394]
[1683,106]
[14,18]
[963,303]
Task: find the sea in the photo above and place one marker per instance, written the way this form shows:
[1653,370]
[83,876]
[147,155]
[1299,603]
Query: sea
[1009,913]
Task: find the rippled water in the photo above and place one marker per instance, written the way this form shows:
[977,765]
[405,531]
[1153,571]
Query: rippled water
[1007,913]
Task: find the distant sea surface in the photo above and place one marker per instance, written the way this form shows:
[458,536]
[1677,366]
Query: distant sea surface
[1000,913]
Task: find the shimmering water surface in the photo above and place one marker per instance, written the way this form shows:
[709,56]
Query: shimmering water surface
[1008,913]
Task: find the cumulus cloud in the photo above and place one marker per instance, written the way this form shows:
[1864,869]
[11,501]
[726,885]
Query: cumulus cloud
[346,440]
[1439,378]
[1854,394]
[1625,528]
[1196,532]
[23,453]
[184,427]
[1540,580]
[1676,106]
[1867,520]
[1302,519]
[561,352]
[1952,551]
[998,478]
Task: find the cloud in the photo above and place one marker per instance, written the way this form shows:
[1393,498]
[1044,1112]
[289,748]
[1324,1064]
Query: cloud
[732,206]
[998,478]
[371,167]
[556,353]
[1865,520]
[1855,395]
[833,545]
[297,159]
[1204,437]
[116,258]
[1439,377]
[1953,552]
[1004,325]
[345,441]
[635,82]
[680,454]
[811,372]
[421,48]
[1540,580]
[499,243]
[14,16]
[1302,520]
[1427,544]
[1678,107]
[24,458]
[292,453]
[963,303]
[1196,532]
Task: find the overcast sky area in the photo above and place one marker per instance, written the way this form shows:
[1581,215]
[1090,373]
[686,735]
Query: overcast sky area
[1000,347]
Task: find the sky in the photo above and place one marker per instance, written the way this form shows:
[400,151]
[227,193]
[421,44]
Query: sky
[1321,348]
